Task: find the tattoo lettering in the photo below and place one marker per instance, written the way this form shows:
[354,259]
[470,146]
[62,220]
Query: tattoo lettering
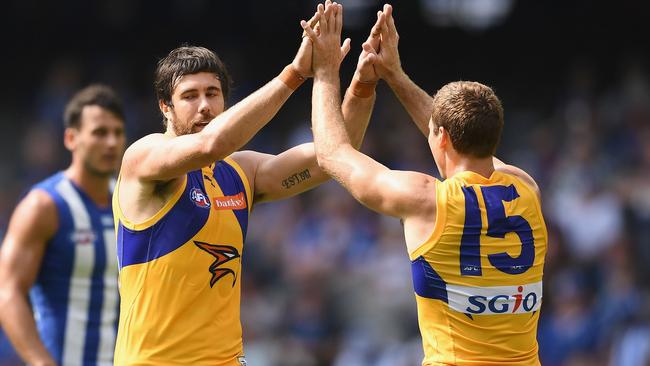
[296,178]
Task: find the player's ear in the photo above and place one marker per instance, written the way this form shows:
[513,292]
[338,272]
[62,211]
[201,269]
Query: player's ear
[165,109]
[442,137]
[70,138]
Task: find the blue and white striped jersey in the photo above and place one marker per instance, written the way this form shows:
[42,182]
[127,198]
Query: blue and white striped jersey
[75,296]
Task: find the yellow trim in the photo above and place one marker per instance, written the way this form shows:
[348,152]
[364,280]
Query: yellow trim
[244,179]
[441,219]
[153,219]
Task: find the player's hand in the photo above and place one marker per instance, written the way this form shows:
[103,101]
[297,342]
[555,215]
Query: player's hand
[365,71]
[327,49]
[388,62]
[302,62]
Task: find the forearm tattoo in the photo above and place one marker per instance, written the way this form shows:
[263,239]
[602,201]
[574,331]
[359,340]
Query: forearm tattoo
[296,179]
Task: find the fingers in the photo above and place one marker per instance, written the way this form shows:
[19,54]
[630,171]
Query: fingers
[308,31]
[314,20]
[325,11]
[345,48]
[390,21]
[313,23]
[367,47]
[376,28]
[375,32]
[339,18]
[320,9]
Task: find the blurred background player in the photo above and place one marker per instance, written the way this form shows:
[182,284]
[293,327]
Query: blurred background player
[183,199]
[477,239]
[60,246]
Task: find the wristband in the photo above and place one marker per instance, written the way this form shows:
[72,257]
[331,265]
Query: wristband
[290,77]
[362,89]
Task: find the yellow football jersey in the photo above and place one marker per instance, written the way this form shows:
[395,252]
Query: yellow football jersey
[478,278]
[180,273]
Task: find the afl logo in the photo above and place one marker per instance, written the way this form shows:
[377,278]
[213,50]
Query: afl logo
[199,199]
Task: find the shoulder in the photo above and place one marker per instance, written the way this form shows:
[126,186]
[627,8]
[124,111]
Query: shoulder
[38,199]
[249,161]
[138,152]
[522,175]
[143,143]
[418,190]
[36,211]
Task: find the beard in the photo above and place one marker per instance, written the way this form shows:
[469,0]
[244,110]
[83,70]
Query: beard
[181,130]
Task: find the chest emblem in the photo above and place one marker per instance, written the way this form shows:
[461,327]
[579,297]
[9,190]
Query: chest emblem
[83,237]
[199,198]
[222,254]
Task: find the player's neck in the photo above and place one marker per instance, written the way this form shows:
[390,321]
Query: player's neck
[95,186]
[462,163]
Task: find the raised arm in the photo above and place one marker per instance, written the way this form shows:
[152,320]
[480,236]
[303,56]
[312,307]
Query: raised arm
[417,102]
[390,192]
[32,224]
[162,157]
[296,170]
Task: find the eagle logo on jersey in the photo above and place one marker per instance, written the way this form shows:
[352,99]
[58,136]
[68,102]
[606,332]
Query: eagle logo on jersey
[222,254]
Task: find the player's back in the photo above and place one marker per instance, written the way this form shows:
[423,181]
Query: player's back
[75,296]
[478,278]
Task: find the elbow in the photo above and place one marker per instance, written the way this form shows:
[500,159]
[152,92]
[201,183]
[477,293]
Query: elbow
[216,147]
[322,162]
[7,294]
[325,159]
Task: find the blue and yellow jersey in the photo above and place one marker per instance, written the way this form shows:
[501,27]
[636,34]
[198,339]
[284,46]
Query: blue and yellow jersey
[180,273]
[478,278]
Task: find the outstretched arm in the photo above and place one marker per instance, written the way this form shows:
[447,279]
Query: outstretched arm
[416,101]
[391,192]
[296,170]
[32,224]
[160,157]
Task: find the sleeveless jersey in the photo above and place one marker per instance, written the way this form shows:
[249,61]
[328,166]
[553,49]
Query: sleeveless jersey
[75,296]
[180,273]
[478,278]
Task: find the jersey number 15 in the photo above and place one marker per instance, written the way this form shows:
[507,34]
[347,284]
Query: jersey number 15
[498,226]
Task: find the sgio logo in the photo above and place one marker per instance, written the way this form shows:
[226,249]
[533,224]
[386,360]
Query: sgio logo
[495,300]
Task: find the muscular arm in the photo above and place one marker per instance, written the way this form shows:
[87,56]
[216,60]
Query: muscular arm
[296,170]
[32,224]
[159,157]
[395,193]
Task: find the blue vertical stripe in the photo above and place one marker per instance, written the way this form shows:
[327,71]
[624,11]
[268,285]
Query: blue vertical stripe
[470,242]
[231,184]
